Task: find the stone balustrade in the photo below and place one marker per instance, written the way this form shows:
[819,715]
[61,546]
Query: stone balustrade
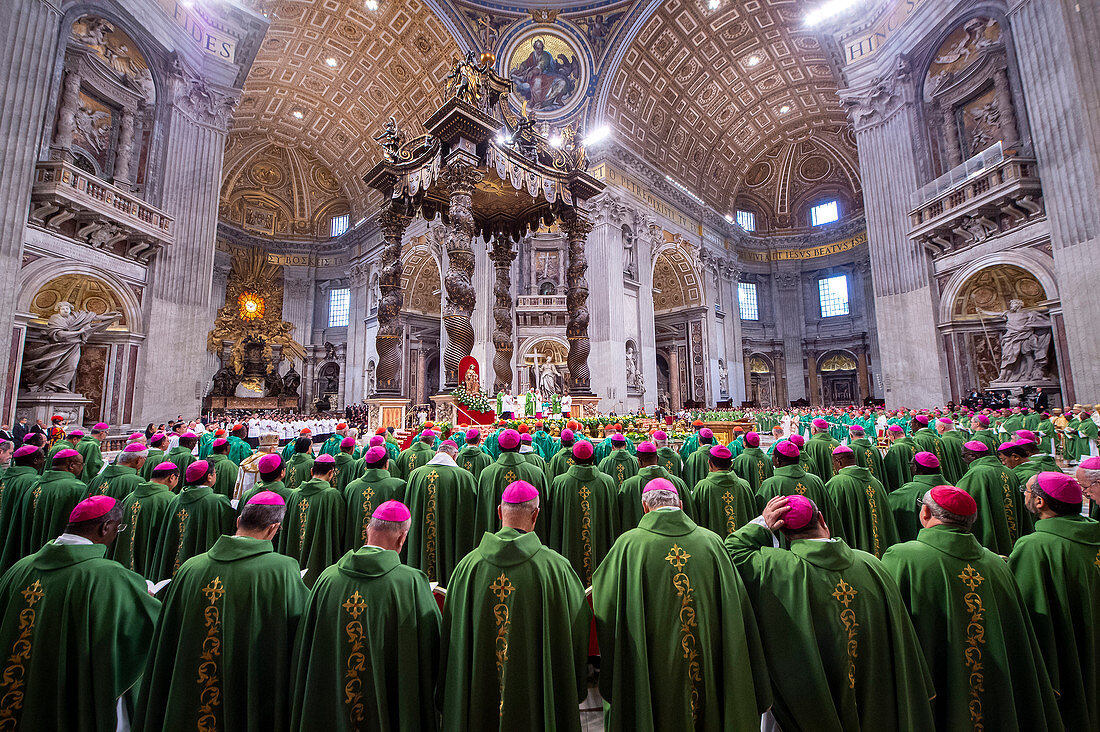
[540,302]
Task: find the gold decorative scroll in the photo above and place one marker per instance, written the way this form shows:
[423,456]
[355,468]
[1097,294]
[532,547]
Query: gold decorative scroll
[805,253]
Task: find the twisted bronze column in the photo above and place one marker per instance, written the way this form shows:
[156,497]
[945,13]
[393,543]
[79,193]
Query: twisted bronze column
[576,227]
[388,341]
[461,296]
[502,256]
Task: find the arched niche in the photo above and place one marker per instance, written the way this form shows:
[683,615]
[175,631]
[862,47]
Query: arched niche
[676,284]
[421,283]
[761,380]
[838,374]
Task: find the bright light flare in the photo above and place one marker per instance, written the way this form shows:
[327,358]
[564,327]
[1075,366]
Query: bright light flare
[597,136]
[828,10]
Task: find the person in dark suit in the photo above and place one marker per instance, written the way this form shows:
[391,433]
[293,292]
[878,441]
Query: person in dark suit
[21,430]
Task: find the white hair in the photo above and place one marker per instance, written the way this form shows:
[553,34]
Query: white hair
[942,514]
[126,458]
[658,499]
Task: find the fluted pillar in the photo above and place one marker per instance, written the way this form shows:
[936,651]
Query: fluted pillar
[503,342]
[124,157]
[576,227]
[388,341]
[458,282]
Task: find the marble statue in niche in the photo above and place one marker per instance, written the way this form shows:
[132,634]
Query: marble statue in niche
[1024,343]
[51,364]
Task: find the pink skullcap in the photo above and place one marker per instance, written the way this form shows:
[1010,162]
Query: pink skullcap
[394,511]
[25,450]
[843,450]
[660,435]
[325,459]
[1026,436]
[1093,463]
[92,508]
[800,513]
[976,446]
[788,448]
[347,442]
[895,428]
[752,439]
[721,452]
[660,484]
[508,439]
[955,500]
[820,424]
[136,436]
[1009,445]
[158,438]
[166,465]
[219,442]
[945,420]
[134,447]
[618,437]
[75,433]
[473,434]
[647,447]
[519,491]
[855,428]
[190,435]
[65,454]
[266,498]
[196,470]
[449,443]
[705,433]
[798,440]
[427,433]
[1059,486]
[921,419]
[377,440]
[269,463]
[983,420]
[582,450]
[525,438]
[100,427]
[927,460]
[375,455]
[567,435]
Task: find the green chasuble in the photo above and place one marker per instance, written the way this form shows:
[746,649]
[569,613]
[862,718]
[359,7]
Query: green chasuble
[927,440]
[724,502]
[905,504]
[331,446]
[276,486]
[473,459]
[182,457]
[411,459]
[630,496]
[367,655]
[75,628]
[147,511]
[1038,463]
[1045,430]
[222,650]
[514,639]
[347,470]
[620,465]
[987,438]
[238,449]
[970,617]
[819,452]
[206,443]
[951,464]
[792,479]
[691,444]
[225,475]
[584,509]
[442,499]
[67,445]
[670,460]
[313,532]
[47,506]
[679,645]
[17,484]
[116,481]
[156,457]
[753,466]
[299,469]
[697,465]
[1057,569]
[197,517]
[559,463]
[535,459]
[868,456]
[841,649]
[898,463]
[361,497]
[1002,518]
[88,447]
[861,501]
[508,468]
[543,443]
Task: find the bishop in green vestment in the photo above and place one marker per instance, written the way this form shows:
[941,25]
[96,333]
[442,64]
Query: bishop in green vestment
[315,527]
[1002,518]
[418,453]
[347,467]
[299,468]
[271,472]
[442,498]
[88,447]
[198,517]
[75,628]
[181,455]
[667,458]
[630,492]
[619,464]
[866,521]
[1034,462]
[905,502]
[752,465]
[979,425]
[679,645]
[331,446]
[789,478]
[562,460]
[696,465]
[926,438]
[225,470]
[723,501]
[70,442]
[867,453]
[819,450]
[509,467]
[239,448]
[1057,569]
[222,650]
[951,440]
[367,656]
[898,457]
[691,444]
[147,512]
[120,479]
[157,444]
[364,494]
[583,507]
[841,650]
[18,482]
[46,508]
[968,613]
[515,631]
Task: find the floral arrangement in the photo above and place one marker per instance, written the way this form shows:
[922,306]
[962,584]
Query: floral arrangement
[478,402]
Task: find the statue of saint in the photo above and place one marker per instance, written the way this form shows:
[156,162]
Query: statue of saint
[1024,343]
[548,376]
[51,364]
[633,375]
[723,377]
[472,380]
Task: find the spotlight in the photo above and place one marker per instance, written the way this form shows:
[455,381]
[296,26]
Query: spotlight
[555,141]
[330,62]
[297,114]
[784,109]
[598,135]
[371,5]
[752,61]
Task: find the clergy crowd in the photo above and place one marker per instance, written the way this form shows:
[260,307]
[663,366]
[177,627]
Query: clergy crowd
[935,571]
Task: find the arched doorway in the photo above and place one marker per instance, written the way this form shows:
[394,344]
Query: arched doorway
[761,380]
[838,374]
[680,320]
